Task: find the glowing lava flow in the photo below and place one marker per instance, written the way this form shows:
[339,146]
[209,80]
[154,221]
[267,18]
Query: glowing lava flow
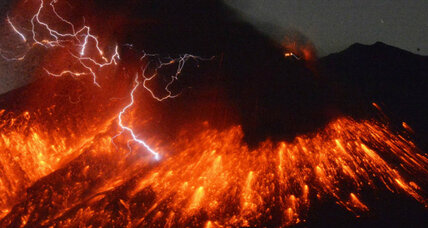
[215,179]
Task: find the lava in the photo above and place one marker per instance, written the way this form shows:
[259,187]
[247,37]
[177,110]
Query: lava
[95,166]
[214,178]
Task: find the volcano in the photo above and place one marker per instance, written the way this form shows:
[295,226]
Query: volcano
[385,75]
[176,114]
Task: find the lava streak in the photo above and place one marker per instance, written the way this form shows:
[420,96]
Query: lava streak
[217,177]
[213,178]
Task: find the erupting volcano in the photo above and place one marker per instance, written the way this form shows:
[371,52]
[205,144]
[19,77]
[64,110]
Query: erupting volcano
[140,117]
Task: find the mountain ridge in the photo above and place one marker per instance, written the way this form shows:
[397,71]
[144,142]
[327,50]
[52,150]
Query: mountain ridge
[389,76]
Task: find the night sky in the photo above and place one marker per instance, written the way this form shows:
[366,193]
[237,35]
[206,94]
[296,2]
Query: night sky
[333,25]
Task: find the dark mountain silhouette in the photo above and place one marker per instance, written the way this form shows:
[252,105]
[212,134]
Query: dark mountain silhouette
[395,79]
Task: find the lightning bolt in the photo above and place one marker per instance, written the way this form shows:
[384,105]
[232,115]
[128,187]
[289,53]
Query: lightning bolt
[129,129]
[180,61]
[81,39]
[16,30]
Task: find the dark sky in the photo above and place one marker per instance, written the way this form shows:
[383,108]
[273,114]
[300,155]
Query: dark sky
[333,25]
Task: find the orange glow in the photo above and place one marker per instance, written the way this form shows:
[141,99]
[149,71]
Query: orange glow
[408,128]
[214,170]
[357,203]
[299,50]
